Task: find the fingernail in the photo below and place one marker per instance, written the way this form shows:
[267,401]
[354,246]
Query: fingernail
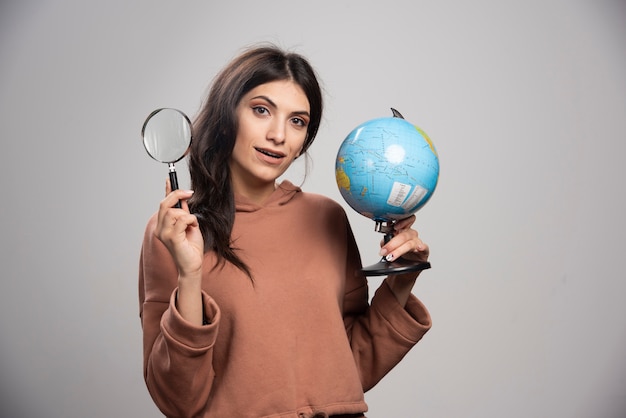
[389,257]
[382,252]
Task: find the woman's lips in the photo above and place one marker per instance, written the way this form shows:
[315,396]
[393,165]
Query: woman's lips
[270,156]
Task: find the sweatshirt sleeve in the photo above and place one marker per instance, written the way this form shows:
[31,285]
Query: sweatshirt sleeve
[177,355]
[382,332]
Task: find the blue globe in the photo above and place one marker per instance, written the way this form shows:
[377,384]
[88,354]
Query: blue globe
[387,169]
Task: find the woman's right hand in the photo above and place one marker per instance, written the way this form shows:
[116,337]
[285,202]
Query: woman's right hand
[179,231]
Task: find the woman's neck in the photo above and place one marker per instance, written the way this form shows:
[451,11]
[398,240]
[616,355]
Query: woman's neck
[258,194]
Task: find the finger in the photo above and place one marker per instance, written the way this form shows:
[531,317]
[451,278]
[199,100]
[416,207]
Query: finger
[184,205]
[404,223]
[175,223]
[414,252]
[182,221]
[404,242]
[398,238]
[175,231]
[394,252]
[163,205]
[170,201]
[174,197]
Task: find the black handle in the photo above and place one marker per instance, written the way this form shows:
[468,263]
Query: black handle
[174,182]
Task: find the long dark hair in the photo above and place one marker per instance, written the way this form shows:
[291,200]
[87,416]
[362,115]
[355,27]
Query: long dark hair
[215,131]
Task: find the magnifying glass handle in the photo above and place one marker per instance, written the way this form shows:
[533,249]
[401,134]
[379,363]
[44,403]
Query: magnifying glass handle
[174,182]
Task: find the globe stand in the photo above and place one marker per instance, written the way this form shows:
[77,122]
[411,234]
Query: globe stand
[400,265]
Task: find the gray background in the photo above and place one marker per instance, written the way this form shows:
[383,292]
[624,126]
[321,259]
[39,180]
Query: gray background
[525,102]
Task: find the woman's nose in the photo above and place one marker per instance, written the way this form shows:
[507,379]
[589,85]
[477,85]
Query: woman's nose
[276,132]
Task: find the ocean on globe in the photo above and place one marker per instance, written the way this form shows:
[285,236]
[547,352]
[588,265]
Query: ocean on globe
[387,169]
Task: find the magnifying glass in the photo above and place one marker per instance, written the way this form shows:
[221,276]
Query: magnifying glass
[166,137]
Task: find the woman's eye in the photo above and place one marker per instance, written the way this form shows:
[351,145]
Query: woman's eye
[261,110]
[299,122]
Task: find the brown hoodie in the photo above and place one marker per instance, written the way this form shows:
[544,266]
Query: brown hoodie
[299,339]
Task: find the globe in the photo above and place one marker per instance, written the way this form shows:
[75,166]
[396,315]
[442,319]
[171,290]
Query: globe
[386,170]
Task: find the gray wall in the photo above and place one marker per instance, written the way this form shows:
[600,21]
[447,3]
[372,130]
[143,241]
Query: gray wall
[525,102]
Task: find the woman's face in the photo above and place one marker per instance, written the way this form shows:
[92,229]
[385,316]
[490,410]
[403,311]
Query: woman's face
[273,120]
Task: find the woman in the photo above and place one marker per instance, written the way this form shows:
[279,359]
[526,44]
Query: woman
[251,299]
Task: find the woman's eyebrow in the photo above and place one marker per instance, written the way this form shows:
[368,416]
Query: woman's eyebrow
[302,113]
[267,99]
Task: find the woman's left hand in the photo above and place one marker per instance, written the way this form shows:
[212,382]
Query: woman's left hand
[406,243]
